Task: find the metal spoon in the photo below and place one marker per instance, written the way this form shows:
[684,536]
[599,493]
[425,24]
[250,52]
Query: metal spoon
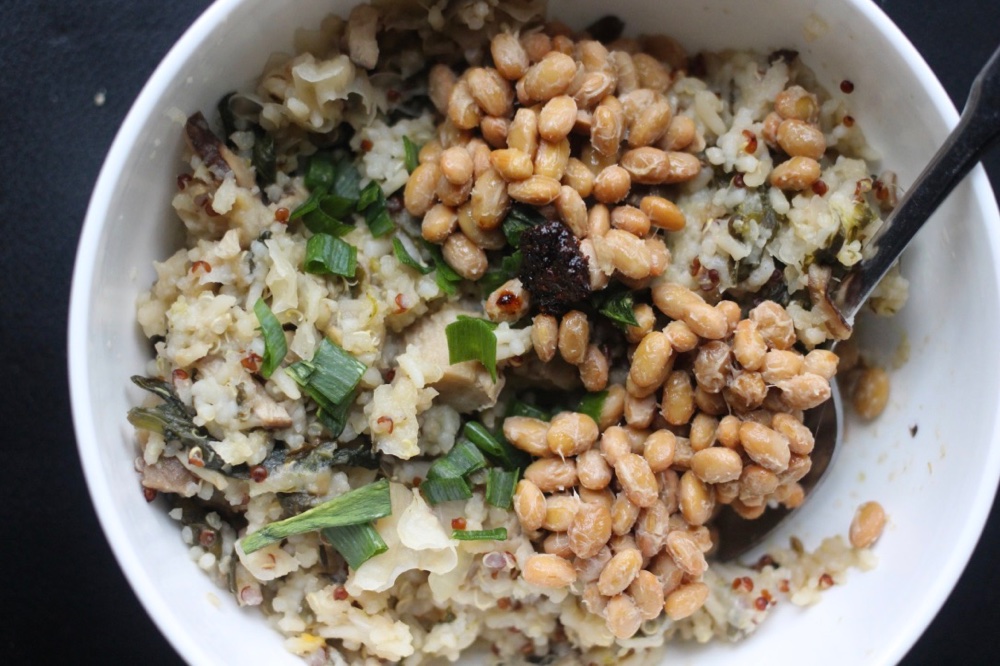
[977,130]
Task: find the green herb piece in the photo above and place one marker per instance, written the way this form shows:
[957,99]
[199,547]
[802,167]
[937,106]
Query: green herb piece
[410,149]
[473,340]
[518,220]
[440,490]
[372,194]
[592,404]
[309,205]
[446,277]
[498,534]
[407,259]
[356,543]
[320,172]
[327,254]
[618,305]
[463,459]
[346,180]
[275,346]
[495,447]
[332,372]
[520,408]
[509,268]
[327,216]
[355,507]
[500,487]
[334,417]
[227,117]
[263,159]
[372,202]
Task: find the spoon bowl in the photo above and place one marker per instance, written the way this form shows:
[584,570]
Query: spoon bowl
[977,131]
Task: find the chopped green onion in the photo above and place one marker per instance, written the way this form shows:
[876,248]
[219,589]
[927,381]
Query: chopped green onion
[356,543]
[309,205]
[495,447]
[440,490]
[500,487]
[327,254]
[498,534]
[473,340]
[618,306]
[412,152]
[592,404]
[446,277]
[347,180]
[518,220]
[332,372]
[275,346]
[407,259]
[320,172]
[263,159]
[333,417]
[355,507]
[370,195]
[372,202]
[379,222]
[323,214]
[463,459]
[519,408]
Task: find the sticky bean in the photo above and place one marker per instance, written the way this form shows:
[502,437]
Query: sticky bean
[546,570]
[571,433]
[552,474]
[529,505]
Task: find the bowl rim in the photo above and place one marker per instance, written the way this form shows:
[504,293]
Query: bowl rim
[163,615]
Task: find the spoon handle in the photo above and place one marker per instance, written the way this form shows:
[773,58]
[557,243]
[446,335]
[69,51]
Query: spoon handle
[975,133]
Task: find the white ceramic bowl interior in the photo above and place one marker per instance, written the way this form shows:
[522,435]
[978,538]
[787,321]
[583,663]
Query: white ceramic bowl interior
[936,486]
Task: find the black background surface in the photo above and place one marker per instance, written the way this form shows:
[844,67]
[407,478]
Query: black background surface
[62,595]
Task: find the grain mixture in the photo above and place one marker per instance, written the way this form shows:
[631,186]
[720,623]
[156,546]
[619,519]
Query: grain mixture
[480,323]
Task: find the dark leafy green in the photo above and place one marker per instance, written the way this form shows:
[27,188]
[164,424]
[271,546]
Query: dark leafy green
[172,420]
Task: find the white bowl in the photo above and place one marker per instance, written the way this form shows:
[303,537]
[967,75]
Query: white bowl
[937,486]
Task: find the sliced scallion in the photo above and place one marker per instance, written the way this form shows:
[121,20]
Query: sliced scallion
[440,490]
[463,459]
[498,534]
[495,447]
[275,346]
[445,276]
[309,205]
[473,340]
[332,372]
[411,154]
[333,417]
[407,259]
[327,217]
[356,543]
[500,487]
[346,180]
[592,404]
[355,507]
[320,172]
[328,254]
[372,203]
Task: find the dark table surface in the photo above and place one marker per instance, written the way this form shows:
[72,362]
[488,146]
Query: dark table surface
[63,595]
